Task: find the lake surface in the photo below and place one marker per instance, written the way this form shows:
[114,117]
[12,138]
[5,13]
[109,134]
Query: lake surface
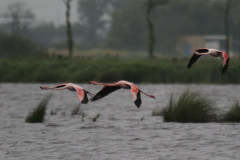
[119,132]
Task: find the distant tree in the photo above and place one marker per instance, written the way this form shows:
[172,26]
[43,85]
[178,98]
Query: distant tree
[151,4]
[128,27]
[69,28]
[16,45]
[91,16]
[19,16]
[226,22]
[226,6]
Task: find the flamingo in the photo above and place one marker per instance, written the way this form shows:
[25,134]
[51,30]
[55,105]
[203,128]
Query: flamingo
[211,52]
[82,93]
[109,88]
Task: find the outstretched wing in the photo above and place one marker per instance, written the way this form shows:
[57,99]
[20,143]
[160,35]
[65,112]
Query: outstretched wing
[136,95]
[193,59]
[81,95]
[106,90]
[225,64]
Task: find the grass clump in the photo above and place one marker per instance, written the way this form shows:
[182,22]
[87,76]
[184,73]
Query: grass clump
[94,119]
[76,110]
[157,111]
[38,113]
[233,114]
[190,107]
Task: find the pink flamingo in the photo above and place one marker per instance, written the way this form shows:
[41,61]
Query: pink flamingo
[109,88]
[211,52]
[82,93]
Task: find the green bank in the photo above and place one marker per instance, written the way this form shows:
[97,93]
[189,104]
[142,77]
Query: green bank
[80,70]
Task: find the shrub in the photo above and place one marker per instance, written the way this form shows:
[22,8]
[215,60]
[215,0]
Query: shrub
[190,107]
[38,114]
[233,114]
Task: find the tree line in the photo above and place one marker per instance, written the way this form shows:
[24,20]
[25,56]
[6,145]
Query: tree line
[140,25]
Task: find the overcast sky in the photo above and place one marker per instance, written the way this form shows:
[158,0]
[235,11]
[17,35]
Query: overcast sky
[44,10]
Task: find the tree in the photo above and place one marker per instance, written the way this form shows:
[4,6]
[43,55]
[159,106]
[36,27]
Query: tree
[19,15]
[16,45]
[226,22]
[91,13]
[151,4]
[69,28]
[128,27]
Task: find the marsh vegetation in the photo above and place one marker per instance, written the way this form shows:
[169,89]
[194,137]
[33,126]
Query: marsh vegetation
[38,113]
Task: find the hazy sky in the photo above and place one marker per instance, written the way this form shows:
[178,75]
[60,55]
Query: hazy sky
[44,10]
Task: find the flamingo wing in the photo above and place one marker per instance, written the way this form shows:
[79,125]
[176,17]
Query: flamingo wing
[193,60]
[82,95]
[225,64]
[106,90]
[136,95]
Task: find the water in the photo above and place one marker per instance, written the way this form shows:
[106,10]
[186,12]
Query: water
[119,132]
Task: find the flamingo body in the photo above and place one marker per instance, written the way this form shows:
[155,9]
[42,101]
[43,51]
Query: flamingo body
[82,93]
[109,88]
[211,52]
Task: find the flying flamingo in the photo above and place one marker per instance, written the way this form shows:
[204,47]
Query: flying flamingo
[82,93]
[211,52]
[109,88]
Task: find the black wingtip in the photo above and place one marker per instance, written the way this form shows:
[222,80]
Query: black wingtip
[138,101]
[41,87]
[226,66]
[89,82]
[85,99]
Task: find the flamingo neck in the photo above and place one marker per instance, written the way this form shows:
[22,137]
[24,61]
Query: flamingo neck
[61,88]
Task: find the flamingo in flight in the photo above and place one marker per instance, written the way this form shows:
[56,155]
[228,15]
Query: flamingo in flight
[211,52]
[82,93]
[109,88]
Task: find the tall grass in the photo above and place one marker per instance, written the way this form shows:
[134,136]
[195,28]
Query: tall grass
[38,113]
[190,107]
[233,114]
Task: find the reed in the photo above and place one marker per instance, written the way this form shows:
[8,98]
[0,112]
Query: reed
[233,114]
[38,113]
[53,112]
[157,111]
[94,119]
[76,110]
[190,107]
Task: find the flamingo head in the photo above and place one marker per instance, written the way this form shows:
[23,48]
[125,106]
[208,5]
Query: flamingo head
[92,82]
[43,87]
[152,96]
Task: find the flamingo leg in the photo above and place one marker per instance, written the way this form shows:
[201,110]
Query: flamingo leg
[151,96]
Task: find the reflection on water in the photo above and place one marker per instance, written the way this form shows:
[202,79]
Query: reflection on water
[119,133]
